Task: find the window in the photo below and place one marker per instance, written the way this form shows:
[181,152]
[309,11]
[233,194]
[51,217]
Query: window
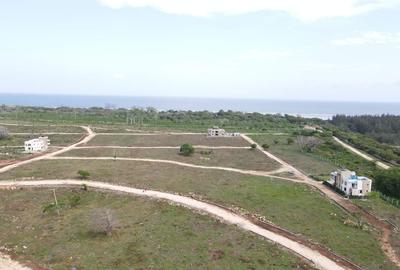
[360,191]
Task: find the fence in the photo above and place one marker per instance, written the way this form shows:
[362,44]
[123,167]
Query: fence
[390,200]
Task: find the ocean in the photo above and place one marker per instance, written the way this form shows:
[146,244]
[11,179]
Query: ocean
[318,109]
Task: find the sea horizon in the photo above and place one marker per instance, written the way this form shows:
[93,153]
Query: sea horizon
[305,108]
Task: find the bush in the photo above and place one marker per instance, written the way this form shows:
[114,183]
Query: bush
[186,150]
[276,141]
[265,146]
[253,146]
[83,174]
[290,141]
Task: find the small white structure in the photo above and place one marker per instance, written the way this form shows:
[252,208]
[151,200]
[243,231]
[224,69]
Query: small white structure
[351,184]
[219,132]
[37,145]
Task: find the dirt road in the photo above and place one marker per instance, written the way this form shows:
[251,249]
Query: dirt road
[361,154]
[225,215]
[6,263]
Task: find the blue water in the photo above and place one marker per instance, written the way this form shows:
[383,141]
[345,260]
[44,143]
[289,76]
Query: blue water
[320,109]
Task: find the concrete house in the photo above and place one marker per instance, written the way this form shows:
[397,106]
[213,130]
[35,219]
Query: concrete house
[350,183]
[37,145]
[219,132]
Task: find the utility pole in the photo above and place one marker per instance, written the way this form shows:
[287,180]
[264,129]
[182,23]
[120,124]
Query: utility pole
[56,202]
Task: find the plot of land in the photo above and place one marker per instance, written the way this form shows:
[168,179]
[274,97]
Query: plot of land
[386,211]
[235,158]
[38,129]
[165,140]
[56,140]
[150,235]
[292,206]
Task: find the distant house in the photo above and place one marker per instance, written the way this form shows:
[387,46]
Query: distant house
[219,132]
[350,183]
[37,145]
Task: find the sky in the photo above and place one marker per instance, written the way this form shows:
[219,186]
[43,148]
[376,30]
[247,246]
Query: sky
[264,49]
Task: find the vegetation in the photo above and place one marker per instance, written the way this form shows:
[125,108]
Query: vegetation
[383,128]
[370,146]
[253,146]
[293,206]
[388,182]
[83,174]
[103,221]
[234,158]
[186,150]
[150,235]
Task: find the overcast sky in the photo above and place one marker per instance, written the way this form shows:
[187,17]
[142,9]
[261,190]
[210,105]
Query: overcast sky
[267,49]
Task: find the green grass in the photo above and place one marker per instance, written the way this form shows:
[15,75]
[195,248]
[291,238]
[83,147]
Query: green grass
[151,235]
[236,158]
[326,158]
[165,140]
[386,211]
[292,206]
[37,129]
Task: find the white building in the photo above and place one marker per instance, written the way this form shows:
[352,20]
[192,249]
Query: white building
[37,145]
[219,132]
[351,184]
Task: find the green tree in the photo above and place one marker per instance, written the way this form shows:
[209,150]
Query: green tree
[388,182]
[186,149]
[253,146]
[83,174]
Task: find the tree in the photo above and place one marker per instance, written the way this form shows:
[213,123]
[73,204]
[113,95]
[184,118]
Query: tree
[83,174]
[102,220]
[290,141]
[253,146]
[186,149]
[3,133]
[388,182]
[308,143]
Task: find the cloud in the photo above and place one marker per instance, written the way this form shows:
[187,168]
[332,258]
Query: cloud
[119,76]
[370,38]
[260,55]
[307,10]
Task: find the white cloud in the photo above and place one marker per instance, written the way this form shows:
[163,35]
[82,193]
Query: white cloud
[307,10]
[119,76]
[370,38]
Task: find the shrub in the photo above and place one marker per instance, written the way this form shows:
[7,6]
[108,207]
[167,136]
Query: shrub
[265,146]
[186,150]
[83,174]
[253,146]
[290,141]
[388,182]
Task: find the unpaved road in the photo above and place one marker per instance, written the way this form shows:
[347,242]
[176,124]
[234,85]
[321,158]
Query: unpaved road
[343,202]
[90,135]
[229,217]
[361,154]
[159,147]
[6,263]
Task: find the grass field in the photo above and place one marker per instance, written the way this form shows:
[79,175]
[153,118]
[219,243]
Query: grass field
[235,158]
[384,210]
[37,129]
[292,206]
[326,158]
[150,235]
[55,140]
[165,140]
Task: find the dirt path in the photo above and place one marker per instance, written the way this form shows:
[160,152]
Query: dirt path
[250,172]
[346,204]
[90,135]
[320,260]
[159,147]
[361,154]
[6,263]
[150,134]
[46,133]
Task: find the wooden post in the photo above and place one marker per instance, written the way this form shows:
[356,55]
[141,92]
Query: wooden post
[56,202]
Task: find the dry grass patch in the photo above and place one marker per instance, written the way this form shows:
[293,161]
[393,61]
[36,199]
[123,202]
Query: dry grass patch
[165,140]
[235,158]
[292,206]
[150,235]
